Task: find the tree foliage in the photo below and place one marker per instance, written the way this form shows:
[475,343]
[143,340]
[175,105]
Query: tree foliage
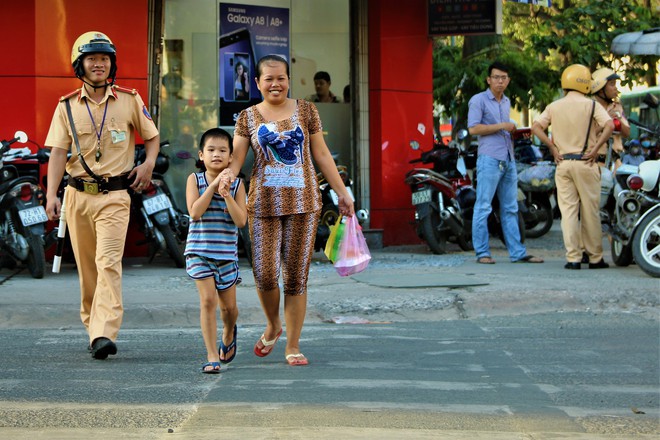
[537,44]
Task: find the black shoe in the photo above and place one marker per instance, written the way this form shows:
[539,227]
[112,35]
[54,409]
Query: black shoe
[572,266]
[600,265]
[585,258]
[102,347]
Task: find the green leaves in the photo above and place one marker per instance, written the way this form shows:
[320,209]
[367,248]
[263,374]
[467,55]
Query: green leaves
[538,43]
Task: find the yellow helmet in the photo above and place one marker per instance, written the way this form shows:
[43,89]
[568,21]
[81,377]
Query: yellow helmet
[600,77]
[576,77]
[93,42]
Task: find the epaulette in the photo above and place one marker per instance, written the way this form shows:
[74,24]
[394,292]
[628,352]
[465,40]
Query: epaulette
[69,95]
[125,90]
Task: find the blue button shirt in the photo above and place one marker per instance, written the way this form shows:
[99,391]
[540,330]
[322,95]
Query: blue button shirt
[484,109]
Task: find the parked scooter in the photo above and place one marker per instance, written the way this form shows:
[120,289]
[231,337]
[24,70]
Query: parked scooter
[165,227]
[330,201]
[633,213]
[22,214]
[536,185]
[443,197]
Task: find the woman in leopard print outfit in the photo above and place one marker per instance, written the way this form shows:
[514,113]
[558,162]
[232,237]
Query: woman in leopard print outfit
[284,201]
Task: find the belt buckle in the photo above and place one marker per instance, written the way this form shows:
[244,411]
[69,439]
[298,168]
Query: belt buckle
[91,187]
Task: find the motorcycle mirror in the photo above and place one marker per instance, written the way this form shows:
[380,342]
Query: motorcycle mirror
[462,134]
[21,136]
[651,100]
[183,155]
[43,155]
[460,166]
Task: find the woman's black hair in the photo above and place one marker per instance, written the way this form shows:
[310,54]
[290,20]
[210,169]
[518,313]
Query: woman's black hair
[210,134]
[275,58]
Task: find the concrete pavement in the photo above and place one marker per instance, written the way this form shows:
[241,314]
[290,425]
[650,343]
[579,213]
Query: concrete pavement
[403,288]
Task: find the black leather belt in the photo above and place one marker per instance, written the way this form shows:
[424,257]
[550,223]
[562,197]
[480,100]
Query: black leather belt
[572,156]
[600,158]
[93,187]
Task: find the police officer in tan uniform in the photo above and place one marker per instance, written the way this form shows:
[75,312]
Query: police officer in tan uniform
[604,90]
[580,127]
[102,145]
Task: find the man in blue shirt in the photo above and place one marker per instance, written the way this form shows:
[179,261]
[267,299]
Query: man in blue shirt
[488,118]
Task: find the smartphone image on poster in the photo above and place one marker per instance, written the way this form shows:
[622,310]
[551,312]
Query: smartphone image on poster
[234,46]
[242,77]
[227,76]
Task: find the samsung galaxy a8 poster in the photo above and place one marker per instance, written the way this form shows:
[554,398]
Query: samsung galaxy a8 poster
[247,33]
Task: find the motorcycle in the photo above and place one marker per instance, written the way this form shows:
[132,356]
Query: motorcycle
[165,227]
[633,213]
[536,185]
[443,197]
[330,202]
[23,216]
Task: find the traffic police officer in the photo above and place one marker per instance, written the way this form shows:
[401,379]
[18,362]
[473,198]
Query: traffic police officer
[605,92]
[99,122]
[580,128]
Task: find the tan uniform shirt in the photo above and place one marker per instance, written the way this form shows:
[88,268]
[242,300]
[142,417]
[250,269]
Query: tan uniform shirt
[126,114]
[569,117]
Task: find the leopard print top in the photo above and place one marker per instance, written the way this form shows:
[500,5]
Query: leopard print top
[283,178]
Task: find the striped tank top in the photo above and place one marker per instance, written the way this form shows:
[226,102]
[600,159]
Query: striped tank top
[214,235]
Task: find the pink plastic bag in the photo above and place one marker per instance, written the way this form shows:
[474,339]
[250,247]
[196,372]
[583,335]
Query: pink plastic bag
[354,255]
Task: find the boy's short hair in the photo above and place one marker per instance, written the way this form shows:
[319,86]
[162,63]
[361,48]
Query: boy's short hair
[216,133]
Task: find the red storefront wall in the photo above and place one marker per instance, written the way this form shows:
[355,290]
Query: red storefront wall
[400,101]
[36,59]
[36,71]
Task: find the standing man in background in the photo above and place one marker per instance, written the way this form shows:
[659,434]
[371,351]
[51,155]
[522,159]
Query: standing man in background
[605,92]
[98,121]
[489,118]
[322,85]
[580,127]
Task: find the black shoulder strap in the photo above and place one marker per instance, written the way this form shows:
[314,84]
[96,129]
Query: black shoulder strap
[75,139]
[586,141]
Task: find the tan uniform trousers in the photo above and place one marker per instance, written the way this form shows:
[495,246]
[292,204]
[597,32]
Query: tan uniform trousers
[578,197]
[97,227]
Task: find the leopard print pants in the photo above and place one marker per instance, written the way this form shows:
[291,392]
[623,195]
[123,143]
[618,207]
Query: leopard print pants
[285,242]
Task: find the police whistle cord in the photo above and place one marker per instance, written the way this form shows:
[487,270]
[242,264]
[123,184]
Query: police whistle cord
[61,233]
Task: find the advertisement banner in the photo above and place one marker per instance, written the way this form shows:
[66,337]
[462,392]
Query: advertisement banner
[459,17]
[247,33]
[546,3]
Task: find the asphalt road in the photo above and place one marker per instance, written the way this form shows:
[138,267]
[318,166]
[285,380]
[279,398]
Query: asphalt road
[418,346]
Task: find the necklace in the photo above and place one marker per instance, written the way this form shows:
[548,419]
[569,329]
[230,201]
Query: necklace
[98,132]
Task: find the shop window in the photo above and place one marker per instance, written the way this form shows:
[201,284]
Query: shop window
[318,40]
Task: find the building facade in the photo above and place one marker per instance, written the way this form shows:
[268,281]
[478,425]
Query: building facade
[174,52]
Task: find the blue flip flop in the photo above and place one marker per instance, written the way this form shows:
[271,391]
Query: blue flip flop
[214,370]
[226,348]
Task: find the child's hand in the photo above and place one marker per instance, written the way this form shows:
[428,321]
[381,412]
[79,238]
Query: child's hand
[224,191]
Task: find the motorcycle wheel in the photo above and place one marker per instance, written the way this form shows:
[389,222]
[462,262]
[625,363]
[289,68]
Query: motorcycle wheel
[36,260]
[646,245]
[542,213]
[621,253]
[329,215]
[174,246]
[436,240]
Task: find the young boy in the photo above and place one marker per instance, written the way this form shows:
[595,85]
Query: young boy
[211,248]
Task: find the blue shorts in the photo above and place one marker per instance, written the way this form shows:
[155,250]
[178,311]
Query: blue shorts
[225,273]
